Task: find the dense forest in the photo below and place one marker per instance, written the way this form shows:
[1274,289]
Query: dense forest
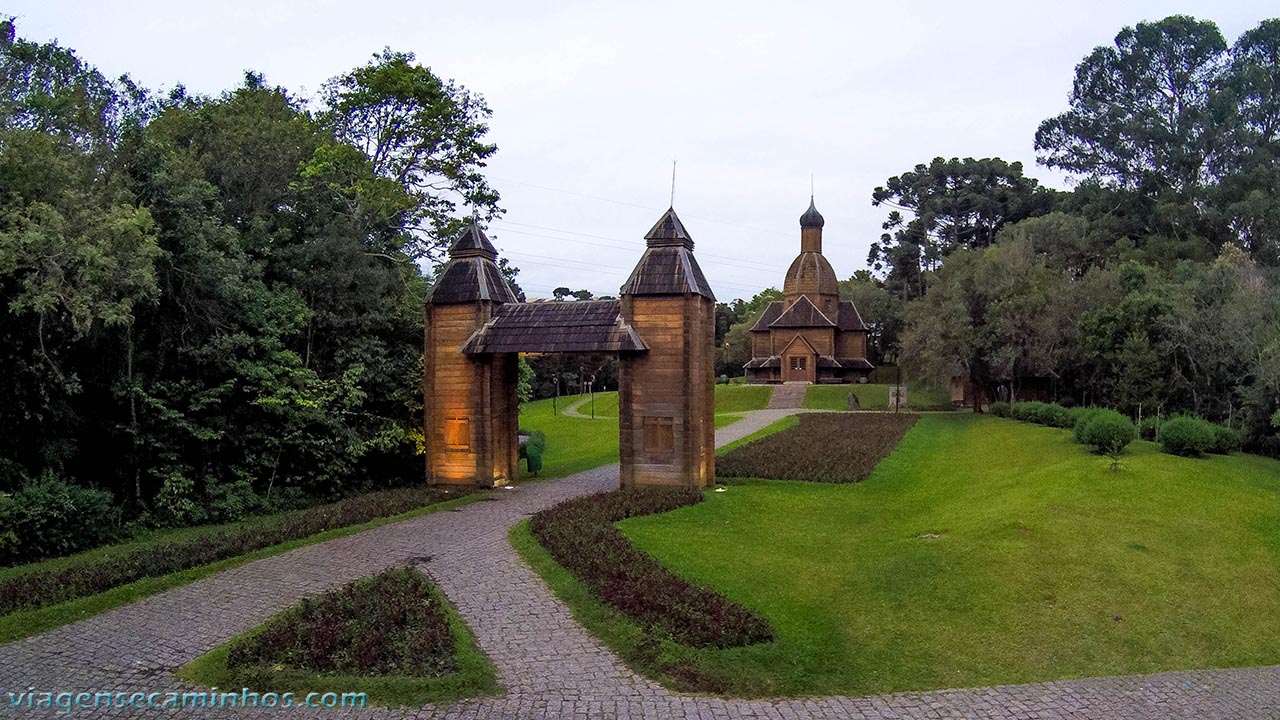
[1152,286]
[212,306]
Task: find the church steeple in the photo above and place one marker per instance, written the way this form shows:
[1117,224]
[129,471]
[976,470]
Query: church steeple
[810,274]
[811,223]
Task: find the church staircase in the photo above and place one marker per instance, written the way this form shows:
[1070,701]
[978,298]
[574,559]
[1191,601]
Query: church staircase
[788,396]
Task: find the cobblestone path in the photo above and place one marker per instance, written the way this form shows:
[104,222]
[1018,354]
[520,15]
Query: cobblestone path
[550,667]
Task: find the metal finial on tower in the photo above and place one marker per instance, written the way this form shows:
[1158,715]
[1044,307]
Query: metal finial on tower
[810,187]
[673,183]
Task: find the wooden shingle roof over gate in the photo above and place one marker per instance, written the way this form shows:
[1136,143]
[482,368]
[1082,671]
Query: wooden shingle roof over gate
[583,326]
[471,273]
[667,266]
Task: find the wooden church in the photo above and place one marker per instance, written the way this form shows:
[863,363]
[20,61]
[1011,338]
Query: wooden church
[811,335]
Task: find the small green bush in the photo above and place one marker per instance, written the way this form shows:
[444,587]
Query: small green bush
[1080,419]
[1041,413]
[53,517]
[1186,436]
[1001,409]
[1225,440]
[1107,432]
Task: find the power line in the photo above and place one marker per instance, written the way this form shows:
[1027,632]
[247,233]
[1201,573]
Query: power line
[636,205]
[555,262]
[631,245]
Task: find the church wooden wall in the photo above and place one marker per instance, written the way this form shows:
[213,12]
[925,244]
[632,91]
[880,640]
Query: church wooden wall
[761,344]
[822,339]
[851,345]
[666,396]
[470,406]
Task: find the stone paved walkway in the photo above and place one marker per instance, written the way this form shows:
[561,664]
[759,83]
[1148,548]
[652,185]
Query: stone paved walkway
[787,396]
[549,665]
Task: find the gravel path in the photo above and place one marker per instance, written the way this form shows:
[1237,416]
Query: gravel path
[550,666]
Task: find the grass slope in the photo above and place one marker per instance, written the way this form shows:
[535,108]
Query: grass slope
[729,399]
[573,444]
[870,397]
[986,551]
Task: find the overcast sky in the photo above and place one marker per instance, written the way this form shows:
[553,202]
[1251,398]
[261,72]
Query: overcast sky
[592,101]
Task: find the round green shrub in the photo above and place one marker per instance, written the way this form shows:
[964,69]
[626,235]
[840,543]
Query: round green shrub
[1225,440]
[1059,417]
[1186,436]
[1081,417]
[1001,409]
[1107,432]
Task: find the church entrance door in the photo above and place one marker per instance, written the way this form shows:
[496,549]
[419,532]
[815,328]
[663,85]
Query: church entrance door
[798,367]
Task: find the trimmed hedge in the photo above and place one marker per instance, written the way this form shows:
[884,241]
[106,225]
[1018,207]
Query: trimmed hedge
[1225,440]
[93,575]
[823,447]
[1106,431]
[581,536]
[393,623]
[1186,436]
[1082,417]
[1041,413]
[53,518]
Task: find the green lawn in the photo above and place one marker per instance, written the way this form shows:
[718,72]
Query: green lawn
[573,444]
[729,399]
[985,551]
[871,397]
[577,444]
[741,398]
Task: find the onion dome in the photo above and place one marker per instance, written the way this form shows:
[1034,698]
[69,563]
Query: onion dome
[811,217]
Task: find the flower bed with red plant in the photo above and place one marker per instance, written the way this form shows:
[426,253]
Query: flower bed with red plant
[824,447]
[393,623]
[581,536]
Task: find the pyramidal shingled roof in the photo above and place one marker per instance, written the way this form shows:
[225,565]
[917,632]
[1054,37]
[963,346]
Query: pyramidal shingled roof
[471,274]
[802,313]
[668,266]
[668,231]
[473,242]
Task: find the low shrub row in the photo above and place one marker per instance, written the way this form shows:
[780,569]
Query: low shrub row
[394,623]
[581,536]
[1191,436]
[1105,430]
[95,574]
[823,447]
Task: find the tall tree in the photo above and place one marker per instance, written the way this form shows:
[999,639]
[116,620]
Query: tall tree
[1143,113]
[424,134]
[948,205]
